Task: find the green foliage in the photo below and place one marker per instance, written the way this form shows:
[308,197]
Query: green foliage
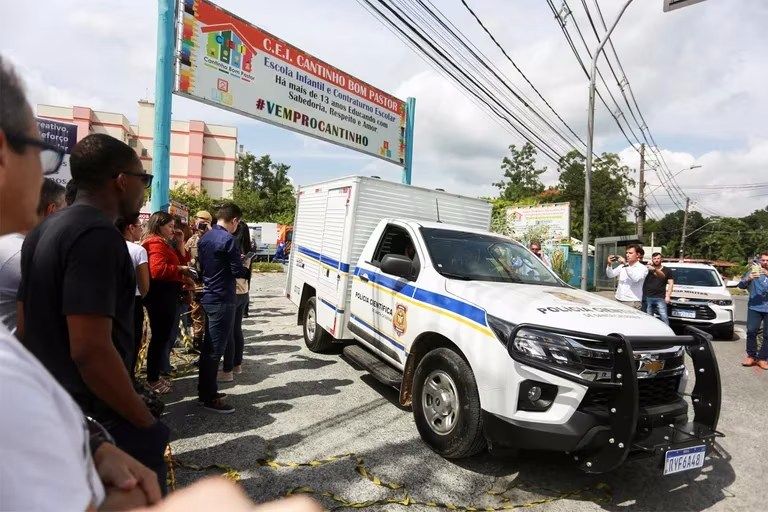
[521,178]
[194,198]
[263,266]
[560,266]
[262,189]
[611,197]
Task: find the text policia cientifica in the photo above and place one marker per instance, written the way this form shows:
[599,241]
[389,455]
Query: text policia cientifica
[297,117]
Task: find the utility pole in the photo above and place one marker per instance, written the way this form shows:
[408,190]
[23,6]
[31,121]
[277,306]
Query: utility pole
[685,225]
[653,233]
[641,195]
[590,141]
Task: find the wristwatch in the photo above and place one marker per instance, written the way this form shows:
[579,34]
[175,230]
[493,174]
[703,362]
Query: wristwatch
[97,434]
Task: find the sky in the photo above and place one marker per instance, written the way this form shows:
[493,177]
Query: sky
[699,75]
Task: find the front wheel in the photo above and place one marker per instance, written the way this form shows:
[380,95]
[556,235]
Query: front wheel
[315,337]
[446,405]
[724,332]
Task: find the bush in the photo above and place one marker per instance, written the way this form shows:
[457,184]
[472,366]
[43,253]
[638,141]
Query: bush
[560,266]
[263,266]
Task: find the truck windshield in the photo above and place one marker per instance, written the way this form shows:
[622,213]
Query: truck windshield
[479,257]
[695,276]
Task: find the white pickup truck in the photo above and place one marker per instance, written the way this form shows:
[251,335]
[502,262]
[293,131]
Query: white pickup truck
[486,344]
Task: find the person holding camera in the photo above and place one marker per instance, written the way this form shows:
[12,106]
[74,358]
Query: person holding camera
[631,273]
[657,288]
[756,281]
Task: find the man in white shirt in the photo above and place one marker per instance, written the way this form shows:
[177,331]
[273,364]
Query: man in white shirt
[631,273]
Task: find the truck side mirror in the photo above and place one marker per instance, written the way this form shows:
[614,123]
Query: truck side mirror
[397,265]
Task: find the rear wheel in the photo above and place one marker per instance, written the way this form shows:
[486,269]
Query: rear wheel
[315,337]
[446,405]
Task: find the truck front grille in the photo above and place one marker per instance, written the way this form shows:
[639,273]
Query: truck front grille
[653,392]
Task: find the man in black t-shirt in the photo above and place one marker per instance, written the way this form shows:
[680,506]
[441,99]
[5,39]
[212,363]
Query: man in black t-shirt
[657,288]
[76,297]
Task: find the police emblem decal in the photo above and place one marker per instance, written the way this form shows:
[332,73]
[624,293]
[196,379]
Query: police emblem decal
[400,319]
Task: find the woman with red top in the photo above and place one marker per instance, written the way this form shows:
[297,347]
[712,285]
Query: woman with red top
[167,271]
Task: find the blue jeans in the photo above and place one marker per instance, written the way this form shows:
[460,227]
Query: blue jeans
[658,305]
[233,355]
[754,319]
[219,323]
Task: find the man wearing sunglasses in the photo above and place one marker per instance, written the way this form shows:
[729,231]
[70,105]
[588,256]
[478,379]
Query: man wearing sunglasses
[47,463]
[77,293]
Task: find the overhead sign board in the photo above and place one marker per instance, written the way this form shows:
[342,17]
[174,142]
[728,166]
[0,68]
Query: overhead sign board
[64,136]
[670,5]
[553,218]
[225,61]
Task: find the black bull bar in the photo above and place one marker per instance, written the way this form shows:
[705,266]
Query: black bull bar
[611,446]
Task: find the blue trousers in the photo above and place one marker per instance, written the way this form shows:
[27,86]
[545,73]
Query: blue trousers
[656,305]
[219,323]
[754,319]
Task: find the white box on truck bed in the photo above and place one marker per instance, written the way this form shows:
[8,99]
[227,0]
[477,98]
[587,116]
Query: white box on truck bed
[334,220]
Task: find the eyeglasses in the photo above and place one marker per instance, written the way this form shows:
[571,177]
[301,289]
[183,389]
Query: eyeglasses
[50,156]
[144,177]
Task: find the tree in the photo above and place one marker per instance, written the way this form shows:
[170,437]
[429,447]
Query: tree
[194,198]
[611,198]
[670,229]
[725,241]
[521,178]
[262,189]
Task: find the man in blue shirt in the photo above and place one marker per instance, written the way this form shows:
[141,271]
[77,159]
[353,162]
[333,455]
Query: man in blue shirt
[756,281]
[221,263]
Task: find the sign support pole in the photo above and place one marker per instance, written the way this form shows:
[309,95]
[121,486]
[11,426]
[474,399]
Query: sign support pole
[163,99]
[410,114]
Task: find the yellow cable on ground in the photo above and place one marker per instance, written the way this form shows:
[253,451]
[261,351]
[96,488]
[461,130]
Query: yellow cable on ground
[600,493]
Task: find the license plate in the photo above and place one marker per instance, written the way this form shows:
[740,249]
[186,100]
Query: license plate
[683,313]
[676,461]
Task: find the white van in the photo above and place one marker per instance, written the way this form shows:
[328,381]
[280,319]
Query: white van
[700,298]
[486,344]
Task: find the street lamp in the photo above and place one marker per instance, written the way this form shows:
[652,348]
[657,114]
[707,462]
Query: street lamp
[668,5]
[697,166]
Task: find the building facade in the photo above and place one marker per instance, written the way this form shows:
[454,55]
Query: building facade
[202,155]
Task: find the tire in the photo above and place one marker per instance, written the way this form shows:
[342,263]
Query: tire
[315,337]
[452,422]
[724,332]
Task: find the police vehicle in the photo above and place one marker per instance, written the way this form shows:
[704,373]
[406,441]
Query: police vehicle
[700,298]
[484,343]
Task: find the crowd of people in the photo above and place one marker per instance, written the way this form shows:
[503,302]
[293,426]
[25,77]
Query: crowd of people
[648,287]
[80,432]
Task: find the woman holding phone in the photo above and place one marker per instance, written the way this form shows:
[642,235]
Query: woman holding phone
[168,271]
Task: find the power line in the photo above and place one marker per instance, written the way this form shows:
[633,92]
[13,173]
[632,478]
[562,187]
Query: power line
[562,23]
[491,79]
[440,58]
[517,68]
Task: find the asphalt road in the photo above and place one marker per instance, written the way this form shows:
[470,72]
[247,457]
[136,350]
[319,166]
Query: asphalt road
[295,406]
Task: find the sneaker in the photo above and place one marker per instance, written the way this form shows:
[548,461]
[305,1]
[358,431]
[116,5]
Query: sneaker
[217,405]
[225,377]
[218,396]
[749,361]
[237,370]
[763,364]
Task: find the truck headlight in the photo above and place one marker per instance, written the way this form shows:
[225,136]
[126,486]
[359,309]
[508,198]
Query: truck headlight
[552,349]
[721,302]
